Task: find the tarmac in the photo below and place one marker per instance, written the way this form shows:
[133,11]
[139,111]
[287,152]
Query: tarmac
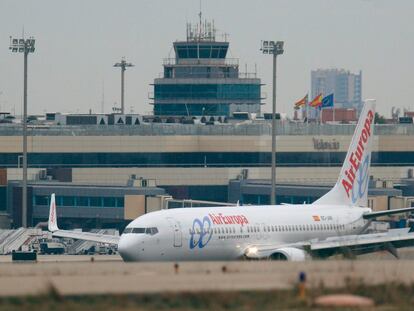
[79,275]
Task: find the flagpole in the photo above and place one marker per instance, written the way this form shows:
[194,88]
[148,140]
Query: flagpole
[320,115]
[307,110]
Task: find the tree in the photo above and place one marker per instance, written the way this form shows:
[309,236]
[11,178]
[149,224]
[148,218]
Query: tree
[379,119]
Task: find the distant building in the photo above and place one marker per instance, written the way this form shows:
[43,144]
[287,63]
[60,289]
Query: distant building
[346,86]
[409,114]
[200,80]
[343,115]
[94,119]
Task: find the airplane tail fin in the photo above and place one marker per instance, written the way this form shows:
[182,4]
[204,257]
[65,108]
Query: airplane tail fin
[352,185]
[52,222]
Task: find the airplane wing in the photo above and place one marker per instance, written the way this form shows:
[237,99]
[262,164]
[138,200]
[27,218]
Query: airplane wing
[347,245]
[373,215]
[362,243]
[87,236]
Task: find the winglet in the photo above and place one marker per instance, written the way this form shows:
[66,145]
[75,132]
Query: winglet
[352,185]
[52,222]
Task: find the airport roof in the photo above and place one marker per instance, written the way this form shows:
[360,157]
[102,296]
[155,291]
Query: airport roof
[262,186]
[46,187]
[249,128]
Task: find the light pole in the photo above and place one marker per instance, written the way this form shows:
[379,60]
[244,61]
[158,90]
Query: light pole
[275,48]
[123,64]
[24,46]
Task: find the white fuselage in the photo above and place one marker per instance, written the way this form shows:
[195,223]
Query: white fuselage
[224,233]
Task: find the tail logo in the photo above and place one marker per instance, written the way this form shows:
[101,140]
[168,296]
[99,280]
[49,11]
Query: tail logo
[355,157]
[360,187]
[52,214]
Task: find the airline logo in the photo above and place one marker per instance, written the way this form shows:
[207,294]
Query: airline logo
[229,220]
[355,158]
[361,185]
[201,233]
[316,218]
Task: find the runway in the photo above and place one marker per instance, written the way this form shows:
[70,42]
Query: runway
[78,275]
[67,258]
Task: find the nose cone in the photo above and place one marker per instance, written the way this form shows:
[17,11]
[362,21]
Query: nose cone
[128,247]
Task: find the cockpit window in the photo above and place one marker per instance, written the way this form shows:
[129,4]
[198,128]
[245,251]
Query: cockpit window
[150,231]
[138,230]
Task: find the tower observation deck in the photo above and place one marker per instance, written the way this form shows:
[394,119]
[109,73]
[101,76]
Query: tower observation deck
[200,80]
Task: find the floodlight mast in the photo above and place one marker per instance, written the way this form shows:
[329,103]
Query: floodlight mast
[275,48]
[123,64]
[24,46]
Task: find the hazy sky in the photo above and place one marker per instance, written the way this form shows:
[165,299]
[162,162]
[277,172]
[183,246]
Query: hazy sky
[78,41]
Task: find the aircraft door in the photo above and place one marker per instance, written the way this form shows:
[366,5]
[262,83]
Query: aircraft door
[178,236]
[338,230]
[265,231]
[349,224]
[259,231]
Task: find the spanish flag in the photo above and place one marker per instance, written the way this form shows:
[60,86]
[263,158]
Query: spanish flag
[301,102]
[316,102]
[316,218]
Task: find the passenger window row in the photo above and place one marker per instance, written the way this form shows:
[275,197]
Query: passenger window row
[307,227]
[271,228]
[217,230]
[149,231]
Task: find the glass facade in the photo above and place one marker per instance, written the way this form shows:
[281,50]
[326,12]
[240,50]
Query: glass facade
[80,201]
[262,199]
[214,50]
[201,159]
[3,198]
[192,109]
[201,72]
[208,91]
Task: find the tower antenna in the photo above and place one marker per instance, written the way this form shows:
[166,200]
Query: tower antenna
[199,15]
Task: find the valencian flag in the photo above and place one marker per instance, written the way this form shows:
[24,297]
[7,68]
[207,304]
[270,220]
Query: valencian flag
[301,102]
[328,101]
[316,102]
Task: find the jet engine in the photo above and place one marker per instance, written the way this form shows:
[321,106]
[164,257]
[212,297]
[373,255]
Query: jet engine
[289,254]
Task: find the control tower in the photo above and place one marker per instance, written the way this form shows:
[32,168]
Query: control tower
[200,80]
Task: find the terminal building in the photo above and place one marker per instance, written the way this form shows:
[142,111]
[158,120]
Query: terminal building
[191,161]
[201,80]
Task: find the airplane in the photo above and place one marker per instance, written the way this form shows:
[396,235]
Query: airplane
[335,223]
